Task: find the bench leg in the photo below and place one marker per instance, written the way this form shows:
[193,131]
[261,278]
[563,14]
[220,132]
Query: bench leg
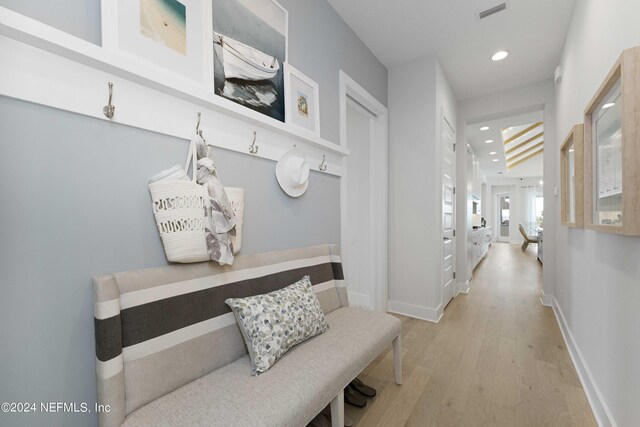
[337,410]
[397,359]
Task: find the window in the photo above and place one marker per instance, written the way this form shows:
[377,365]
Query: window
[539,211]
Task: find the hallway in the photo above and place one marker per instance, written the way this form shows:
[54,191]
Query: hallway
[496,358]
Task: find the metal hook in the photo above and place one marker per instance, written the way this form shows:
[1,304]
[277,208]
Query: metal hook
[323,166]
[253,148]
[109,109]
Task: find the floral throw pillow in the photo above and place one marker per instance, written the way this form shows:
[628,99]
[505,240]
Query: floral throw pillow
[273,323]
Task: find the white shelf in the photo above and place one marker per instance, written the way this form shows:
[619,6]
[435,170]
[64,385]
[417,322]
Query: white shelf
[36,34]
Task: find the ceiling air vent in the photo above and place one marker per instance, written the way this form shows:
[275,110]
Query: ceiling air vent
[493,10]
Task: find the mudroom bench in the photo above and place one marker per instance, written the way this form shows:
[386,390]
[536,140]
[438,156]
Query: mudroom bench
[169,351]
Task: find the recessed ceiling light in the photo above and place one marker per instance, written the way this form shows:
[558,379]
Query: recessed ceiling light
[495,160]
[608,105]
[488,141]
[485,128]
[493,153]
[541,182]
[500,55]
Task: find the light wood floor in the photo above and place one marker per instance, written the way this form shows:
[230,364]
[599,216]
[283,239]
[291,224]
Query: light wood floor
[497,358]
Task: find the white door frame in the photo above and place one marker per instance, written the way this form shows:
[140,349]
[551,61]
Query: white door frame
[445,122]
[349,88]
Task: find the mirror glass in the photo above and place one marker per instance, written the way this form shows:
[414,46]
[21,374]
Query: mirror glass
[607,159]
[570,180]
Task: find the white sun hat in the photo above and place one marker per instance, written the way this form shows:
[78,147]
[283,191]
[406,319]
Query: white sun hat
[292,172]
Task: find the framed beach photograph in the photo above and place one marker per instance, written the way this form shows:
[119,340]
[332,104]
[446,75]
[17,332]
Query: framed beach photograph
[302,100]
[173,34]
[250,48]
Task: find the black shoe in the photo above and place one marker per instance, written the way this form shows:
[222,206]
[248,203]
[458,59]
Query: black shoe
[362,388]
[353,398]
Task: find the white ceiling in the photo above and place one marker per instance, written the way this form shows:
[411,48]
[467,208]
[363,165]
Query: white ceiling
[476,138]
[400,31]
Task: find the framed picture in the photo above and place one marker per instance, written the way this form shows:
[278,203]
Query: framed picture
[250,48]
[302,100]
[173,34]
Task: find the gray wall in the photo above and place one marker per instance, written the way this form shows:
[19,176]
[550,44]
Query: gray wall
[415,221]
[75,204]
[598,274]
[78,17]
[320,44]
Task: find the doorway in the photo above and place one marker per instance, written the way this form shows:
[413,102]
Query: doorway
[357,269]
[363,187]
[504,217]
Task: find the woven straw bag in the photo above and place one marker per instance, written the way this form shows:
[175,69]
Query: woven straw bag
[178,208]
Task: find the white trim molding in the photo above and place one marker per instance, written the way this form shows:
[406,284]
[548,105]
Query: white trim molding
[465,288]
[46,66]
[360,300]
[546,300]
[601,411]
[349,88]
[416,311]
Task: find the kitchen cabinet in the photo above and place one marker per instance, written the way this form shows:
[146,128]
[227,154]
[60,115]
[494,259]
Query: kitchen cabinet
[481,241]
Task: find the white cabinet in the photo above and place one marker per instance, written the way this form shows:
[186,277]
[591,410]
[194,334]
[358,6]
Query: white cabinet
[481,241]
[479,238]
[476,188]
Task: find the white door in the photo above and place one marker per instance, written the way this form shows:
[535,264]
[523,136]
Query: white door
[448,212]
[358,257]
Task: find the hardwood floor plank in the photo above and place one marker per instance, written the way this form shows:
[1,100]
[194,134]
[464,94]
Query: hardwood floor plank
[397,412]
[497,358]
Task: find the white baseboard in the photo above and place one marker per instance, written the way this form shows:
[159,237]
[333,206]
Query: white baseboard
[419,312]
[466,288]
[547,300]
[601,411]
[359,300]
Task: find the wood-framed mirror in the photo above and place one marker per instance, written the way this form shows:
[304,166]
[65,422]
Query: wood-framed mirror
[612,150]
[572,178]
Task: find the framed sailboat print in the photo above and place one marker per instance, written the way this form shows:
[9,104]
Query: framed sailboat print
[249,52]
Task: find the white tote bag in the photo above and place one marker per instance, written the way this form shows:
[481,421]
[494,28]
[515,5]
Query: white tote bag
[178,208]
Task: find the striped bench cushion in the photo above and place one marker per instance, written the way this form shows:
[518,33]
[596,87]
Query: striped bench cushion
[159,329]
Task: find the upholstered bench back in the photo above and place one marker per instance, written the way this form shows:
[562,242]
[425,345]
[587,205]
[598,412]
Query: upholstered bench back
[159,329]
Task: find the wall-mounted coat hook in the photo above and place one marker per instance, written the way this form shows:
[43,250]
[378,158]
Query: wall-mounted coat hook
[323,166]
[109,109]
[253,148]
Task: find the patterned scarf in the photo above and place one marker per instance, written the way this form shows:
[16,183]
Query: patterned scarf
[219,217]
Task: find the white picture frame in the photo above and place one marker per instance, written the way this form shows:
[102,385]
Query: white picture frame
[296,86]
[148,32]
